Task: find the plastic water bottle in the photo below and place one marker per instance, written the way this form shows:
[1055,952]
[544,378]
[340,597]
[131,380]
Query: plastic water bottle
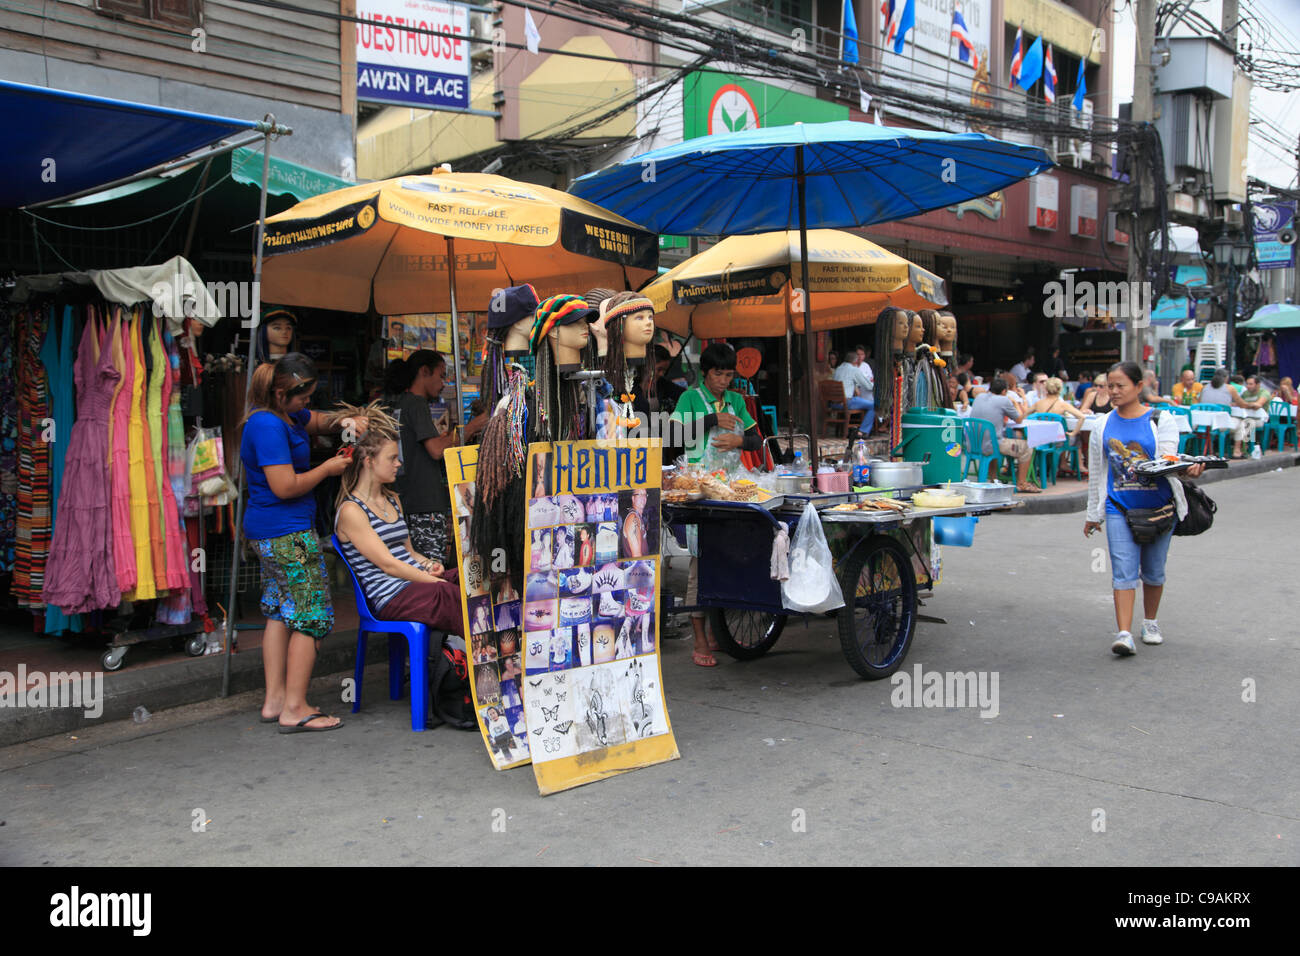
[1256,453]
[861,462]
[797,467]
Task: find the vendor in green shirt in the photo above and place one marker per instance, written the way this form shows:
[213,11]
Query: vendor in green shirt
[712,415]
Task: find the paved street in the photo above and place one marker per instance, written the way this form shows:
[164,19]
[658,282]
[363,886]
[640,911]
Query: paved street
[1184,771]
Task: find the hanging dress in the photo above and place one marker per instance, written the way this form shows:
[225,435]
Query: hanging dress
[144,589]
[9,360]
[153,451]
[175,608]
[81,575]
[119,461]
[31,534]
[63,380]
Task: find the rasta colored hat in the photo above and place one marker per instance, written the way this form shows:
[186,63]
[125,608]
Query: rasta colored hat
[558,310]
[638,304]
[511,305]
[274,314]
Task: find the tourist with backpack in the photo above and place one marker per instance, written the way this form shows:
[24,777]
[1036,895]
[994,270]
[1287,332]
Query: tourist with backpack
[1139,512]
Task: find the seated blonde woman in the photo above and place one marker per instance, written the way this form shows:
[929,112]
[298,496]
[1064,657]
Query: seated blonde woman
[1053,404]
[400,584]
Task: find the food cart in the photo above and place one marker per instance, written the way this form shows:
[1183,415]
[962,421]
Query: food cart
[884,561]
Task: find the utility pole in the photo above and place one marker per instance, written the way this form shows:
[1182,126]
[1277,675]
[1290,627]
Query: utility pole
[1141,180]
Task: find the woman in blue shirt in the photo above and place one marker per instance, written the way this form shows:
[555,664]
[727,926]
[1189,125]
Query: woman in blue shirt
[279,523]
[1126,436]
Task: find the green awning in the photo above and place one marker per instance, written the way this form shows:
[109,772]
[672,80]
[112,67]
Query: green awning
[1276,316]
[1189,330]
[288,178]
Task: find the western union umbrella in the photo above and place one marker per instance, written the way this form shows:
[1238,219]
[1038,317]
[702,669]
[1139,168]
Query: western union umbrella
[444,242]
[749,285]
[819,175]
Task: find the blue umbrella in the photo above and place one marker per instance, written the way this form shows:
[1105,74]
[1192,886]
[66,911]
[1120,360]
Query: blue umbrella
[856,174]
[818,175]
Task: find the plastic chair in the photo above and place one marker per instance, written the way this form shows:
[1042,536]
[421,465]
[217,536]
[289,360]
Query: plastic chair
[1221,434]
[1279,415]
[417,644]
[1047,457]
[769,412]
[974,431]
[1183,437]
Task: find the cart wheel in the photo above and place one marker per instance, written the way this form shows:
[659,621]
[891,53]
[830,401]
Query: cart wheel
[196,646]
[112,659]
[879,617]
[745,635]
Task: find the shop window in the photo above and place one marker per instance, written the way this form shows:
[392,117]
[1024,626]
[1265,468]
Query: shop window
[170,13]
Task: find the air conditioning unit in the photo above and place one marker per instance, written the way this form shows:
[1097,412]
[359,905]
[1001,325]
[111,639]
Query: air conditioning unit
[1232,217]
[480,27]
[1070,152]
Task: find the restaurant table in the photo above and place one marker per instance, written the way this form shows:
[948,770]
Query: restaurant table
[1039,432]
[1215,421]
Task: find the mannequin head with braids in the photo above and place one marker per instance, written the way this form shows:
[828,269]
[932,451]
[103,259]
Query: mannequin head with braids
[892,326]
[629,327]
[499,510]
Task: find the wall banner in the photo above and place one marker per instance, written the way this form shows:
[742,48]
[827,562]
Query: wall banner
[491,610]
[593,684]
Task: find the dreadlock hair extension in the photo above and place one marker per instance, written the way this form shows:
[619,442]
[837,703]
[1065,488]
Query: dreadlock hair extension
[615,367]
[493,376]
[366,448]
[499,520]
[545,411]
[591,357]
[886,362]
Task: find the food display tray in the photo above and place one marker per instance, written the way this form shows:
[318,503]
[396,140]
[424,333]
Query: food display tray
[820,501]
[771,504]
[980,492]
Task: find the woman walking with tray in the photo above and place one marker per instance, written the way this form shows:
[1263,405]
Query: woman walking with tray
[279,523]
[1140,512]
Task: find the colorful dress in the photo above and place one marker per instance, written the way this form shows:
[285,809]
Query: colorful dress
[8,442]
[176,608]
[119,460]
[153,453]
[144,589]
[80,575]
[32,533]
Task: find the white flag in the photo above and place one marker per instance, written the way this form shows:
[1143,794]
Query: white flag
[531,36]
[864,101]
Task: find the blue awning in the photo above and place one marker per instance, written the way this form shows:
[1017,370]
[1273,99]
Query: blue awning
[62,143]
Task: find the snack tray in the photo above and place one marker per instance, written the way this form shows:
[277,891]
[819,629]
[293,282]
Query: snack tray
[820,501]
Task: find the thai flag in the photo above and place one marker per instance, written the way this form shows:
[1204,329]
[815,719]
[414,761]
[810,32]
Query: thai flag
[1017,53]
[887,15]
[966,51]
[1049,77]
[900,17]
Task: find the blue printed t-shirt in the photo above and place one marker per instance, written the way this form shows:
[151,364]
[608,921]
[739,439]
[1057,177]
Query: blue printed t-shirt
[269,440]
[1122,483]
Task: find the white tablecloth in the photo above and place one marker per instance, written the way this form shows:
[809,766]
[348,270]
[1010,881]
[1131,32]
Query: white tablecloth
[1259,414]
[1184,423]
[1212,420]
[1039,433]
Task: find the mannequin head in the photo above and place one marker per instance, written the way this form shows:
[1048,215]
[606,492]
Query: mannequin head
[916,333]
[599,336]
[947,332]
[567,343]
[510,317]
[897,324]
[929,327]
[629,319]
[517,337]
[277,335]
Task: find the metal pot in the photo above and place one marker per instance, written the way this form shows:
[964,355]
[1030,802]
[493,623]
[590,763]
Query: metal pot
[793,484]
[896,474]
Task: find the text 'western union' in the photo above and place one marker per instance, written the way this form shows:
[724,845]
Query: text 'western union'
[611,240]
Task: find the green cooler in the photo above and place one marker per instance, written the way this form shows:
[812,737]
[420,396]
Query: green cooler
[938,433]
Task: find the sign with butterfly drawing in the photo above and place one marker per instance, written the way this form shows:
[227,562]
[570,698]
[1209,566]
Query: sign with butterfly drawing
[593,687]
[492,613]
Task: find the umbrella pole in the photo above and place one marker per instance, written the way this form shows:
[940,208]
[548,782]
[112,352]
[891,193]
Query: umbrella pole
[455,332]
[248,387]
[813,458]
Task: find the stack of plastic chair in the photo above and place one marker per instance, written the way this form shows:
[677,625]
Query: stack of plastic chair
[1048,457]
[417,644]
[1279,420]
[1183,437]
[1219,435]
[974,431]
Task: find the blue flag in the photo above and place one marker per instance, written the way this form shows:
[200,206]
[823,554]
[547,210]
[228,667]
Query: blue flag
[905,23]
[1032,66]
[1080,87]
[850,54]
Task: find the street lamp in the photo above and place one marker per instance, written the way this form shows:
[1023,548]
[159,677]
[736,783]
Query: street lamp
[1232,253]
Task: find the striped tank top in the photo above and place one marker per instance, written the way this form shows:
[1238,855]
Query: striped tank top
[378,586]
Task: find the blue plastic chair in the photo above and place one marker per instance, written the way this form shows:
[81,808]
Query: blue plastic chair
[417,644]
[1279,415]
[1221,435]
[769,412]
[974,431]
[1048,457]
[1183,437]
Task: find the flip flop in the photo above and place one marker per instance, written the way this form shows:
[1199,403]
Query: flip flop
[302,728]
[1028,490]
[703,659]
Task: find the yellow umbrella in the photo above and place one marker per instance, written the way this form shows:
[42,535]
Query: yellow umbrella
[446,241]
[749,285]
[331,250]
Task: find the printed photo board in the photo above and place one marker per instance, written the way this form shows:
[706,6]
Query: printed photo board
[492,612]
[593,687]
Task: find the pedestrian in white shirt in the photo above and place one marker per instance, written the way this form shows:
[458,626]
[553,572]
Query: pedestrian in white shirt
[859,389]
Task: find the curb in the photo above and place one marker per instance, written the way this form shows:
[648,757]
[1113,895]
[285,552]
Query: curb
[175,684]
[1077,501]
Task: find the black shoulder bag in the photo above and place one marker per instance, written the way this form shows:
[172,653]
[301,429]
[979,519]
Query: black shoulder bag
[1200,510]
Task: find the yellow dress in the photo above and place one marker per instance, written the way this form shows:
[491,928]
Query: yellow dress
[144,589]
[155,428]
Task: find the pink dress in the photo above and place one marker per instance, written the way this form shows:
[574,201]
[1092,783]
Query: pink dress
[178,572]
[80,574]
[120,455]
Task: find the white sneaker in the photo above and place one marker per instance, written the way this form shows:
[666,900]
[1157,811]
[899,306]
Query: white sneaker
[1151,633]
[1124,645]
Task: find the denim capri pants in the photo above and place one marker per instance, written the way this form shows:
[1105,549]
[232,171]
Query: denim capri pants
[1130,561]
